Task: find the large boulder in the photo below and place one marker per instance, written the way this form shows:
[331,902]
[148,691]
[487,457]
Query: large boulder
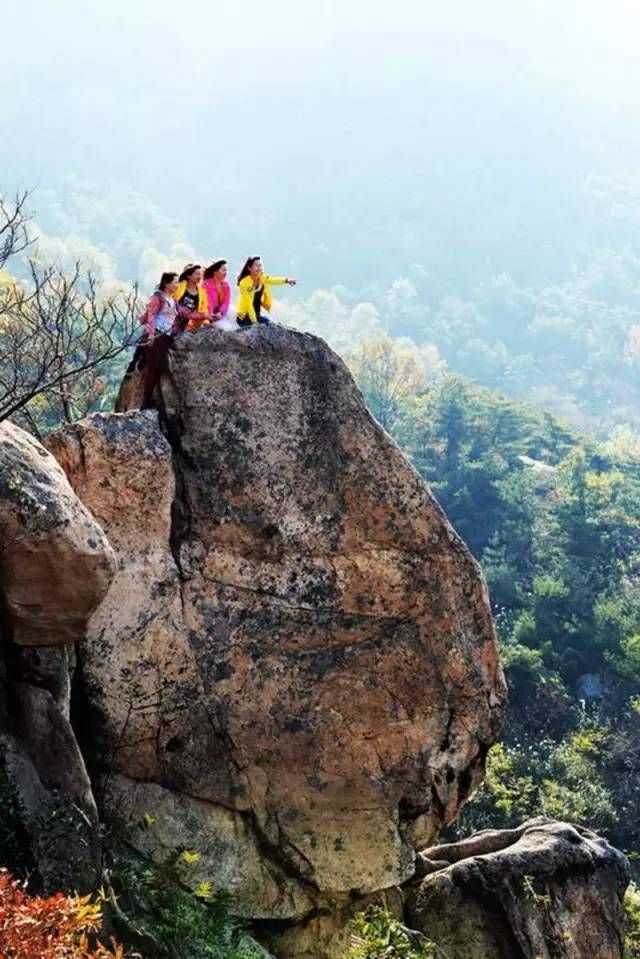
[55,568]
[297,646]
[55,561]
[547,890]
[139,669]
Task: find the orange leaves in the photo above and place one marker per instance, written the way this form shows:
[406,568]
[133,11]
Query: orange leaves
[56,927]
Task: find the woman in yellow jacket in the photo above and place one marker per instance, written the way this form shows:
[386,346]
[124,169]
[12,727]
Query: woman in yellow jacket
[255,292]
[191,299]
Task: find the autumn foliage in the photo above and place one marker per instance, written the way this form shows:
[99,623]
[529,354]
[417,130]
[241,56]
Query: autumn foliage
[57,927]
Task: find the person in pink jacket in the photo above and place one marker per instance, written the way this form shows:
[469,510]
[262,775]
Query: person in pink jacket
[218,294]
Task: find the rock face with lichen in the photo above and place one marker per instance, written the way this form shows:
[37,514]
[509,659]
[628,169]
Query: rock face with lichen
[544,890]
[55,568]
[295,663]
[55,561]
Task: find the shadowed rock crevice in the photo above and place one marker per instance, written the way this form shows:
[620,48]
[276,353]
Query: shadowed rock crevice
[173,429]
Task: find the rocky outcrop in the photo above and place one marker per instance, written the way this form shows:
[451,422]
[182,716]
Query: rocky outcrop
[547,890]
[296,660]
[55,561]
[55,568]
[293,669]
[140,671]
[131,392]
[44,769]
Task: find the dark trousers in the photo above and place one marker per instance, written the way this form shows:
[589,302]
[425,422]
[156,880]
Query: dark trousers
[139,356]
[155,364]
[245,323]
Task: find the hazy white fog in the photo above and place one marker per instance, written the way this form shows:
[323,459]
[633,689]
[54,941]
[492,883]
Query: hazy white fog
[348,141]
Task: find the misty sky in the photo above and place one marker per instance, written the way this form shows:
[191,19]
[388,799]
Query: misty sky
[352,138]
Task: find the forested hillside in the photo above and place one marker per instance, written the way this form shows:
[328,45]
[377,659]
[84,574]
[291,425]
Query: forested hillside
[571,347]
[554,519]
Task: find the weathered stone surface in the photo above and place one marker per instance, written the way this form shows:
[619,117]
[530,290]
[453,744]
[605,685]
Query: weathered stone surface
[302,640]
[327,933]
[548,890]
[47,667]
[131,392]
[138,662]
[55,568]
[249,944]
[230,855]
[44,766]
[55,561]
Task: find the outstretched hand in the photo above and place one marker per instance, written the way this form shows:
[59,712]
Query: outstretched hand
[292,282]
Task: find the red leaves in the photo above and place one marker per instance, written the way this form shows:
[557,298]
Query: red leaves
[57,927]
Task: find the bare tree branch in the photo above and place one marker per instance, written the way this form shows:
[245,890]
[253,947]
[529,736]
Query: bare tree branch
[57,330]
[14,222]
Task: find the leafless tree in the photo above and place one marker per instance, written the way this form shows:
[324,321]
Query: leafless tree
[57,329]
[14,223]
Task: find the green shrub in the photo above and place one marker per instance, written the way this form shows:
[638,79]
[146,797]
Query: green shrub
[627,661]
[524,631]
[561,780]
[632,922]
[378,935]
[173,920]
[523,666]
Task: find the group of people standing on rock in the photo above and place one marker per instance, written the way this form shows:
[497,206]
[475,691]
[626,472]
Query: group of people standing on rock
[196,299]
